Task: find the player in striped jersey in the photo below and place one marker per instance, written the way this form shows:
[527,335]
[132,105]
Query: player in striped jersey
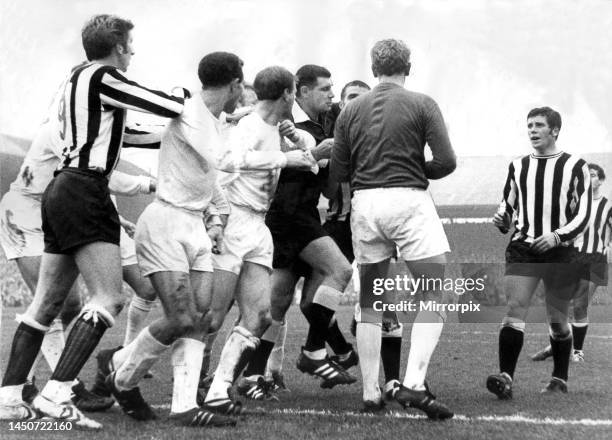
[21,237]
[80,223]
[548,193]
[594,252]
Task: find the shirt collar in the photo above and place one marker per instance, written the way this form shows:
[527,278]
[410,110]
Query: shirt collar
[298,114]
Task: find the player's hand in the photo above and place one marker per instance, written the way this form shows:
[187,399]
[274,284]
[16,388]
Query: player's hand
[239,114]
[287,129]
[323,150]
[128,226]
[544,243]
[215,233]
[299,159]
[502,221]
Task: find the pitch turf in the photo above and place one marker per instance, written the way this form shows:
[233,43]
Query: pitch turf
[466,355]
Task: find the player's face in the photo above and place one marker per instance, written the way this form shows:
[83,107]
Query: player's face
[236,91]
[540,134]
[351,93]
[321,95]
[290,99]
[125,53]
[595,182]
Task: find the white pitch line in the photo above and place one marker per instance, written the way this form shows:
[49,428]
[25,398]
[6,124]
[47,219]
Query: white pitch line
[478,332]
[516,418]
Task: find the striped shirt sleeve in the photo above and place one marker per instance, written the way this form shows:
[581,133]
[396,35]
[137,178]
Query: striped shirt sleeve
[582,196]
[138,136]
[509,201]
[116,90]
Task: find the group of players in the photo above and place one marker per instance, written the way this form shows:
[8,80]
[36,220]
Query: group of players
[235,219]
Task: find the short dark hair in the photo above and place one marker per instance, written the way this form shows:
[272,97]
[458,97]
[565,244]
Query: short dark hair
[102,33]
[308,74]
[600,171]
[271,82]
[390,57]
[355,83]
[553,118]
[219,69]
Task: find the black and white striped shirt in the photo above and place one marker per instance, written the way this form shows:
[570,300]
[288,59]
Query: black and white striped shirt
[597,236]
[548,194]
[91,114]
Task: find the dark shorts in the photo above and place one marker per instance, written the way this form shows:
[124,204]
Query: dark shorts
[292,233]
[594,268]
[77,210]
[557,268]
[340,232]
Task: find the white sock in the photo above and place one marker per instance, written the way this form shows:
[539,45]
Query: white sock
[317,355]
[137,314]
[277,356]
[53,343]
[426,332]
[239,340]
[143,352]
[368,346]
[58,392]
[187,356]
[11,394]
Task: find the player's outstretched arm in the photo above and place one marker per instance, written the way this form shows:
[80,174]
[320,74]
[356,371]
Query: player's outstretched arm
[118,91]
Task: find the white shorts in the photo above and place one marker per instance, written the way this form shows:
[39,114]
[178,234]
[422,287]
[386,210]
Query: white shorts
[246,238]
[385,218]
[172,239]
[21,232]
[128,249]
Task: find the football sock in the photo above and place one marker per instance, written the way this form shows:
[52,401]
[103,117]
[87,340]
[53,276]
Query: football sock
[579,330]
[391,352]
[277,356]
[53,344]
[318,317]
[209,340]
[81,342]
[510,345]
[259,358]
[426,332]
[368,345]
[32,373]
[25,347]
[561,350]
[239,346]
[142,354]
[336,339]
[187,356]
[137,314]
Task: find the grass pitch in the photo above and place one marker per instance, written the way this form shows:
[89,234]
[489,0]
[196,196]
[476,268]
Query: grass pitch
[467,353]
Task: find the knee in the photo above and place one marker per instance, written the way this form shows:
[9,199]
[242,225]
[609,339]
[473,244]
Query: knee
[147,294]
[559,330]
[264,318]
[517,307]
[216,321]
[182,324]
[342,273]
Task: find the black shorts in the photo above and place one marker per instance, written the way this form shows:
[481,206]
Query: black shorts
[557,267]
[77,210]
[594,268]
[292,233]
[340,232]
